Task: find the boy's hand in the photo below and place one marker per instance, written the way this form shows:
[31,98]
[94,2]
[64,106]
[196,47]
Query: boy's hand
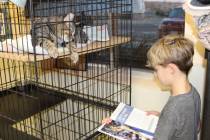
[156,113]
[106,121]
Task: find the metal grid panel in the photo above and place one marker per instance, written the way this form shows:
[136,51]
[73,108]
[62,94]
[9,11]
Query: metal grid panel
[40,99]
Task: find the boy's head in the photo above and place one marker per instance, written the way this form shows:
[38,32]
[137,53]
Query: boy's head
[173,49]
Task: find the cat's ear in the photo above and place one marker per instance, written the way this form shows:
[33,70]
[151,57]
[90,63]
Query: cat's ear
[69,17]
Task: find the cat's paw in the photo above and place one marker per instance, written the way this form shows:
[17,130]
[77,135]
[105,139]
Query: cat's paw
[74,57]
[73,53]
[53,52]
[51,48]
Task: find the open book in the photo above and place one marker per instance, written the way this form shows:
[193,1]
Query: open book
[129,123]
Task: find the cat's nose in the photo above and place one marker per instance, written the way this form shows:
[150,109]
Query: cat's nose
[63,44]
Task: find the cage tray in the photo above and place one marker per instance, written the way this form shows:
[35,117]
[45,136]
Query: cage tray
[19,103]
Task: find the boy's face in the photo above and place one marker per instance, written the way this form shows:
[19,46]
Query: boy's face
[163,74]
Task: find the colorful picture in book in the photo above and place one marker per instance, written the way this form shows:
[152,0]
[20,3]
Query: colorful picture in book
[2,25]
[123,132]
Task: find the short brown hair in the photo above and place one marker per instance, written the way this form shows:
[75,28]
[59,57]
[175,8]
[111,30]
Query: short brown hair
[172,49]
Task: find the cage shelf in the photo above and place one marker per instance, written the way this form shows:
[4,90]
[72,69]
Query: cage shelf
[89,48]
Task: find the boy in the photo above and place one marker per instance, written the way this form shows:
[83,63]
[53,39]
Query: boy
[171,58]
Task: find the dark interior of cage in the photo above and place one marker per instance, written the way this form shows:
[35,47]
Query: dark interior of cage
[32,112]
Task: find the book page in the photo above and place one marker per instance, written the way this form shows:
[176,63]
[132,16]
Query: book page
[139,119]
[130,121]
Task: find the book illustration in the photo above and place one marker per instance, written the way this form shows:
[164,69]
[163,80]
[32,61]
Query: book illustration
[121,131]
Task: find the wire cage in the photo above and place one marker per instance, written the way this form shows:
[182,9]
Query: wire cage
[48,89]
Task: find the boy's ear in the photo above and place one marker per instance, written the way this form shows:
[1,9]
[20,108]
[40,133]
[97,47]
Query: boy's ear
[172,68]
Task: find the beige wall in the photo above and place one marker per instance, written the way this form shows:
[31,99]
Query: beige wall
[146,92]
